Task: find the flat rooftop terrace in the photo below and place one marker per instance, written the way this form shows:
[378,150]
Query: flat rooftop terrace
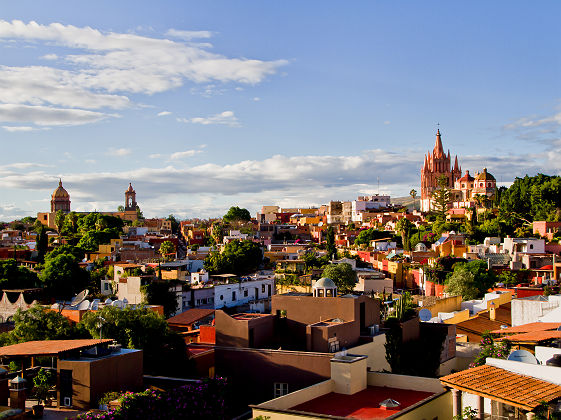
[364,404]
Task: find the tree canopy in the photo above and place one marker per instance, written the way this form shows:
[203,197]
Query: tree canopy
[342,275]
[471,280]
[532,198]
[237,214]
[14,277]
[238,257]
[62,277]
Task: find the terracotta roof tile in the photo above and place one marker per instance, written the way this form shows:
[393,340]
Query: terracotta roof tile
[502,385]
[48,347]
[533,336]
[532,326]
[478,325]
[190,316]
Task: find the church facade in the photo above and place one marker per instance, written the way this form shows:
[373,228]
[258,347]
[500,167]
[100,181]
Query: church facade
[60,200]
[463,189]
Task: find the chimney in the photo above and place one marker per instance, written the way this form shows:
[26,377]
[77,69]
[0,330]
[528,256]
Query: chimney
[349,372]
[492,314]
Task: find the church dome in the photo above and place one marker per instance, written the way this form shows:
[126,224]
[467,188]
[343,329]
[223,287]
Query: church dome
[485,176]
[60,192]
[325,283]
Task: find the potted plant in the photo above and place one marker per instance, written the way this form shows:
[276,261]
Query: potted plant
[41,387]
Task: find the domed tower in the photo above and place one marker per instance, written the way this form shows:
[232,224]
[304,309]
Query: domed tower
[485,184]
[130,199]
[324,287]
[60,200]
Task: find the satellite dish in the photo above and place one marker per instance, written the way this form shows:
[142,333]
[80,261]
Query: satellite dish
[425,315]
[118,304]
[95,305]
[108,301]
[523,356]
[559,328]
[56,306]
[79,298]
[84,305]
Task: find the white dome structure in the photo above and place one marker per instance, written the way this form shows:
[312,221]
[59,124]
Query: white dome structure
[324,287]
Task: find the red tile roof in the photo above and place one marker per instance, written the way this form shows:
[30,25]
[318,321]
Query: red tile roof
[48,347]
[502,385]
[533,337]
[533,326]
[190,316]
[364,404]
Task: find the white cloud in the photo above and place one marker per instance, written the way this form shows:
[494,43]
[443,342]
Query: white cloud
[163,113]
[119,152]
[188,35]
[105,67]
[155,156]
[387,122]
[42,115]
[19,128]
[90,161]
[224,118]
[186,153]
[256,99]
[279,179]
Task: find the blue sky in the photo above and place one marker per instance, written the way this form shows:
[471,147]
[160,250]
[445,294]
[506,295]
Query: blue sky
[203,105]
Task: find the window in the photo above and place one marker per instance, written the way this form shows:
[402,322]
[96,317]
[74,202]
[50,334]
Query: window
[106,286]
[233,295]
[262,288]
[221,297]
[280,389]
[531,246]
[245,293]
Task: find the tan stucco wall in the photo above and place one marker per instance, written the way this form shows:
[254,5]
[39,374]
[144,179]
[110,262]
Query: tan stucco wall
[440,407]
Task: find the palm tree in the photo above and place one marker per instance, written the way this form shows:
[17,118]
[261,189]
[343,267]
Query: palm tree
[413,194]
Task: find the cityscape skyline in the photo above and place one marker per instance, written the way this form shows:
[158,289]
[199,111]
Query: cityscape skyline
[204,106]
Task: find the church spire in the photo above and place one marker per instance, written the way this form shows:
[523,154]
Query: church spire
[438,149]
[456,168]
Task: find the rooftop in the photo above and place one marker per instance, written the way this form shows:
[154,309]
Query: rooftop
[190,316]
[534,336]
[531,327]
[364,404]
[49,347]
[502,385]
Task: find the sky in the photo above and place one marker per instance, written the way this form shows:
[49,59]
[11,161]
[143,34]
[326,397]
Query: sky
[203,105]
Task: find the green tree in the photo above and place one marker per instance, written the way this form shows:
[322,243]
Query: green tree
[441,198]
[14,277]
[238,257]
[62,277]
[330,243]
[471,280]
[38,323]
[121,208]
[159,293]
[413,194]
[59,220]
[404,227]
[174,223]
[42,243]
[236,214]
[167,248]
[140,328]
[342,275]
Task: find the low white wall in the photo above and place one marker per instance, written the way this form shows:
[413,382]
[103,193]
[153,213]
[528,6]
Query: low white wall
[415,383]
[298,397]
[543,354]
